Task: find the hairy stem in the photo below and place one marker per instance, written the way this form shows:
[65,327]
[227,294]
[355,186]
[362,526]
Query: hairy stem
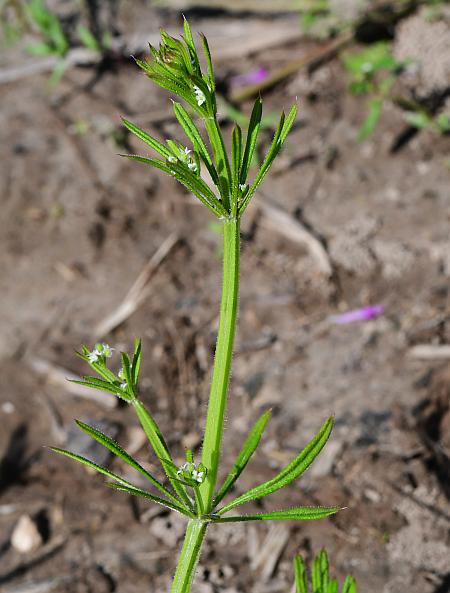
[190,553]
[222,362]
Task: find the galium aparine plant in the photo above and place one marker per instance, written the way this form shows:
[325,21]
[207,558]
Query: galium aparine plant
[221,182]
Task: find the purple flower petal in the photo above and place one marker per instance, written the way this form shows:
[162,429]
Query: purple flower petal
[250,78]
[363,314]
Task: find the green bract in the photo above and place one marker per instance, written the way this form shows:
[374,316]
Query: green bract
[191,488]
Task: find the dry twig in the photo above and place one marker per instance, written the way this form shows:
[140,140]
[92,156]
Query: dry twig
[140,290]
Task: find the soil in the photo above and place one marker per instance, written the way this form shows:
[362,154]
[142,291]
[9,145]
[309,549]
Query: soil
[78,225]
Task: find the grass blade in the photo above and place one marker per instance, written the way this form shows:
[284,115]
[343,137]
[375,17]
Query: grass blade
[301,583]
[244,456]
[117,450]
[290,472]
[295,514]
[144,494]
[252,136]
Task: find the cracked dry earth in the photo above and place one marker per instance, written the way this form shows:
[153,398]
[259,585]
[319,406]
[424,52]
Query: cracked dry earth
[78,225]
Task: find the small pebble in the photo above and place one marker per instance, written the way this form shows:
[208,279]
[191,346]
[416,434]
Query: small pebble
[25,536]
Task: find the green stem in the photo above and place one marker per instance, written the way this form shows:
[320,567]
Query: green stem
[222,363]
[190,553]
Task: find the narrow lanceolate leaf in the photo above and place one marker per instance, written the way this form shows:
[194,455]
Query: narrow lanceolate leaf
[116,449]
[270,157]
[194,135]
[289,473]
[158,164]
[160,448]
[127,374]
[288,123]
[123,484]
[350,585]
[142,135]
[252,136]
[136,362]
[209,63]
[301,582]
[244,456]
[236,159]
[101,385]
[320,572]
[295,514]
[144,494]
[198,187]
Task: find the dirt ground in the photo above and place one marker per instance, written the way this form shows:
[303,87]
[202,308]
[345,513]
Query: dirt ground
[78,225]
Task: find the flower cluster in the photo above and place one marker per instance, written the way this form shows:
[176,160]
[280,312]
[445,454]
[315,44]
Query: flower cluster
[184,155]
[190,472]
[175,66]
[101,351]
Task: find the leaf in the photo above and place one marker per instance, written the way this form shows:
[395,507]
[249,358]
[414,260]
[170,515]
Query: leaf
[350,585]
[295,514]
[136,363]
[236,158]
[144,494]
[198,187]
[209,63]
[417,119]
[193,133]
[142,135]
[244,456]
[252,136]
[88,39]
[160,448]
[320,574]
[290,472]
[301,583]
[95,383]
[127,375]
[152,162]
[375,106]
[270,157]
[289,122]
[117,450]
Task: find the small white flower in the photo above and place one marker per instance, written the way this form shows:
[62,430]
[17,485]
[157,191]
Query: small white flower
[242,186]
[121,374]
[93,356]
[123,385]
[199,95]
[172,159]
[186,151]
[197,476]
[192,167]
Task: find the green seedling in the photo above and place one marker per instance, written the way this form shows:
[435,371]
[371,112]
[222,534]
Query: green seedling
[373,73]
[220,180]
[320,577]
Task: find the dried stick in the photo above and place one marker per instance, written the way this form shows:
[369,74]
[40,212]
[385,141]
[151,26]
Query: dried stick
[140,290]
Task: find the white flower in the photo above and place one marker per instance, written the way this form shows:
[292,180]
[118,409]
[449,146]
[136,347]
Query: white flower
[199,95]
[99,351]
[242,186]
[186,151]
[172,159]
[93,356]
[123,385]
[192,167]
[198,476]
